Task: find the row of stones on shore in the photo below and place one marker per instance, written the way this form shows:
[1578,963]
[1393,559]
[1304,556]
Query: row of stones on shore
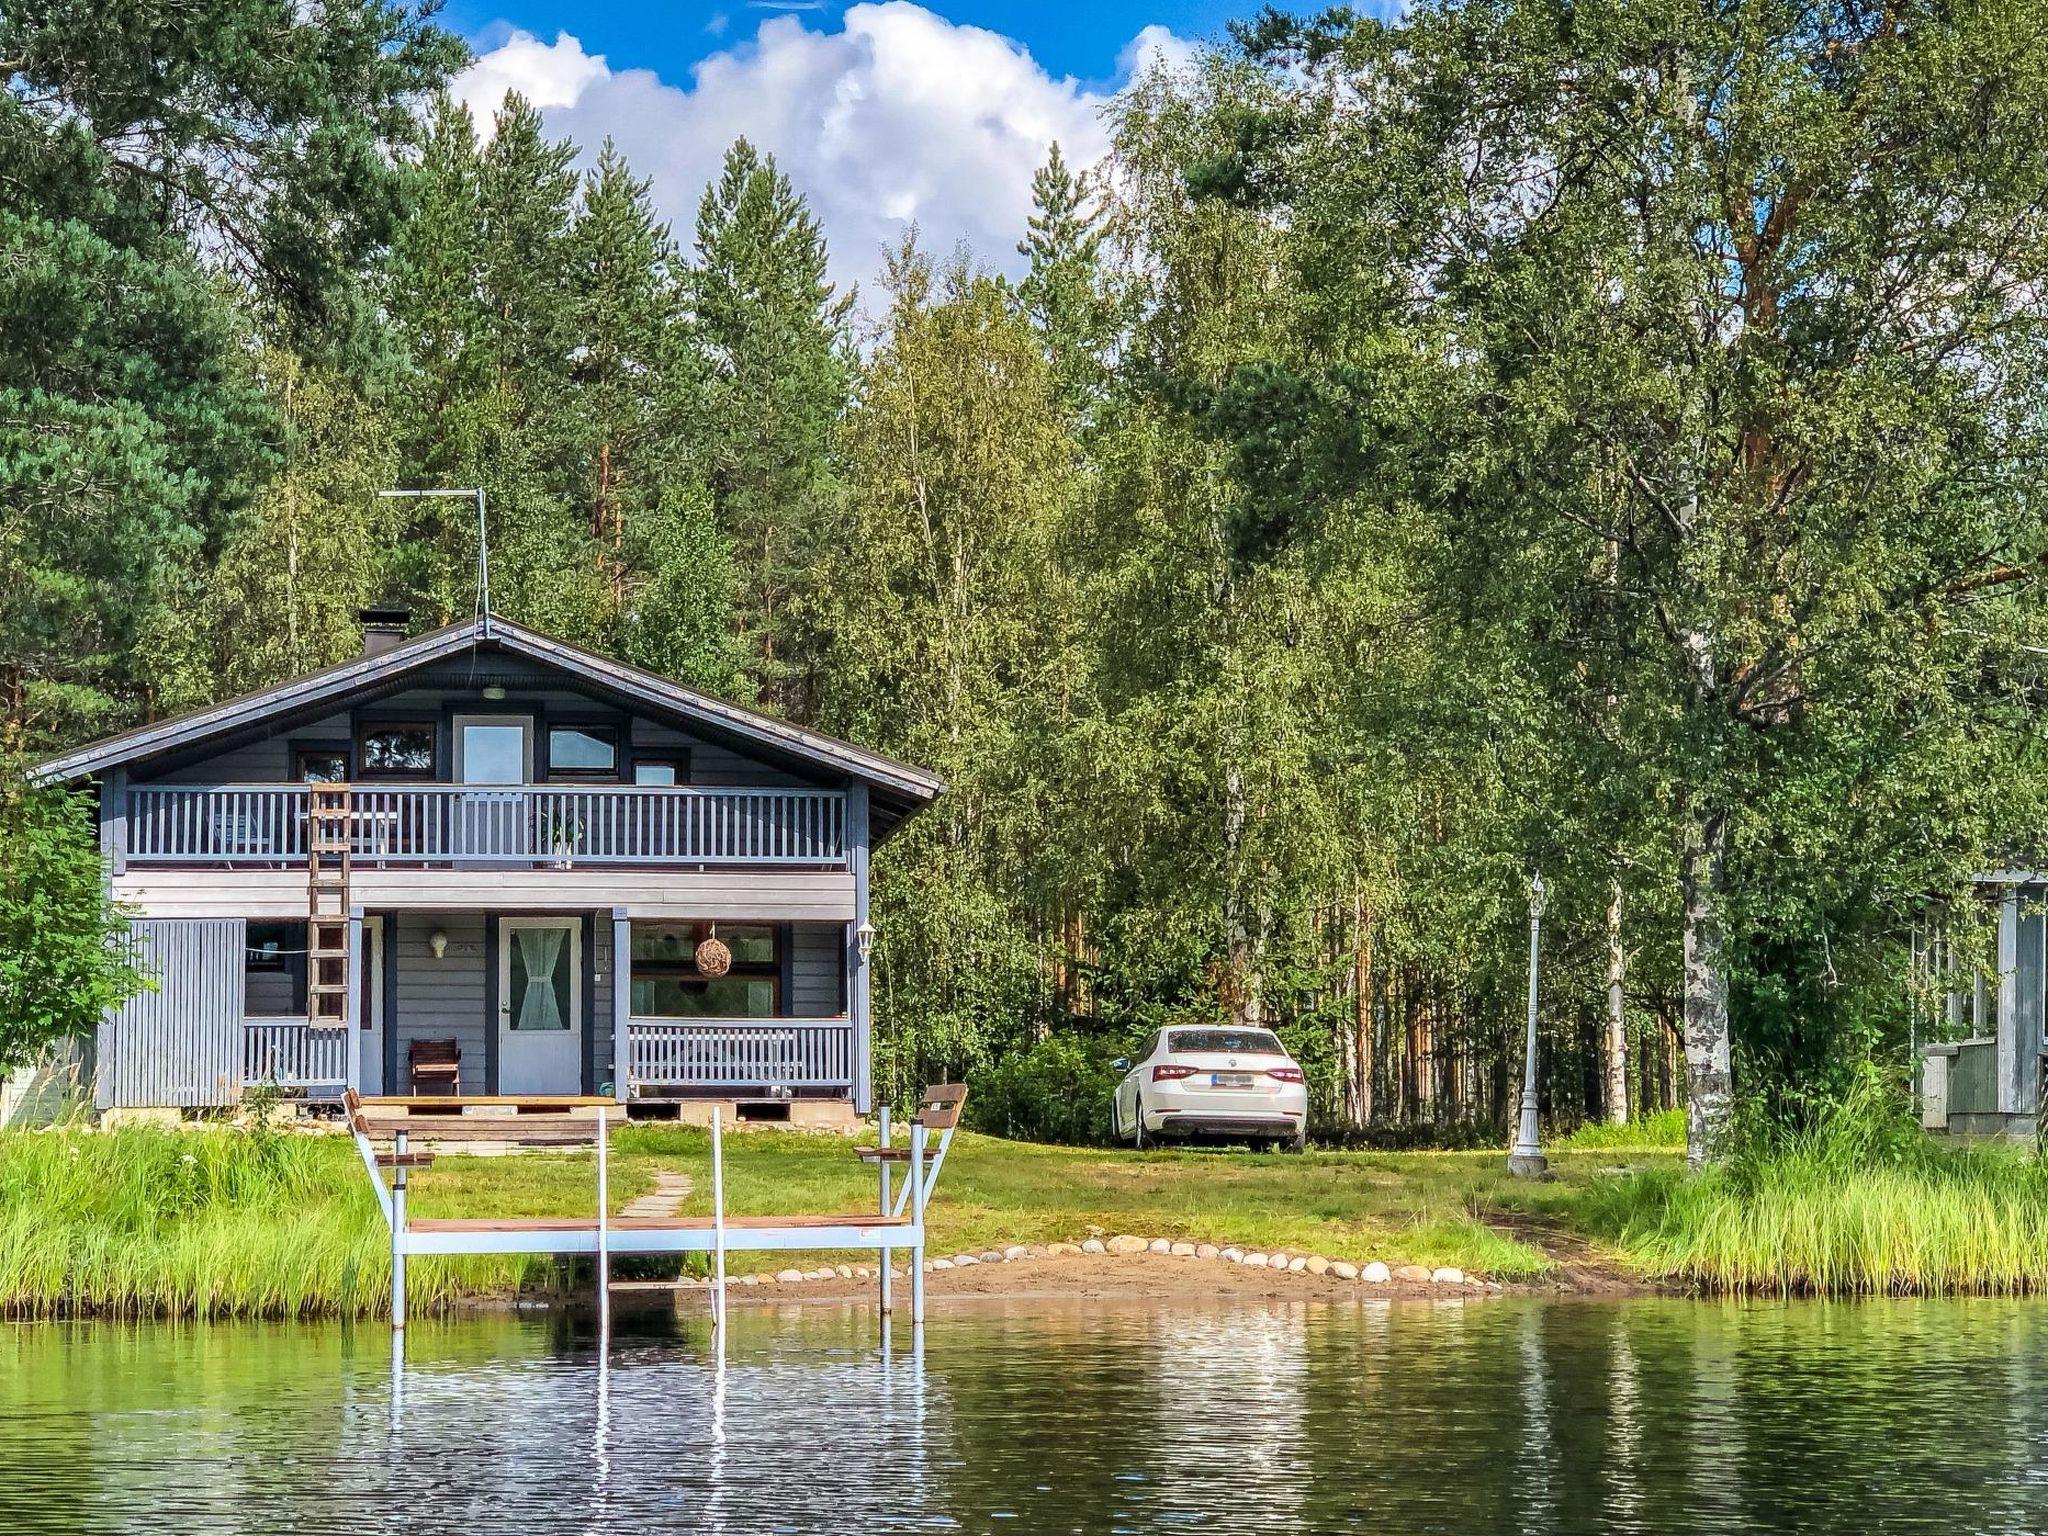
[1374,1273]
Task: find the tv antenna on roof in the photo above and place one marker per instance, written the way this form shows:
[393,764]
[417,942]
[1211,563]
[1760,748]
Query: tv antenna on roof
[483,545]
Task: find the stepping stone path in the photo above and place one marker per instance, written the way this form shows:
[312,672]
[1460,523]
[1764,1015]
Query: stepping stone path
[665,1199]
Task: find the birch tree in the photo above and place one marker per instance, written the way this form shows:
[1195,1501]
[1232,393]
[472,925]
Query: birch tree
[1753,297]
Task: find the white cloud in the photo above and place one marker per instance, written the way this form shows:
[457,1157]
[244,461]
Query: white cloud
[899,116]
[547,74]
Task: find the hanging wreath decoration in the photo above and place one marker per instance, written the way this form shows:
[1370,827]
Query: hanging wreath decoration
[713,958]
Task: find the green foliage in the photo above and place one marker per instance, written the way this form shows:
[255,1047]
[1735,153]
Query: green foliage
[1663,1129]
[62,960]
[164,192]
[1855,1201]
[770,339]
[1506,435]
[1062,292]
[1058,1089]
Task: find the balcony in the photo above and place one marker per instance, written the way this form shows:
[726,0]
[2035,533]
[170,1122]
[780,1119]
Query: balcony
[519,826]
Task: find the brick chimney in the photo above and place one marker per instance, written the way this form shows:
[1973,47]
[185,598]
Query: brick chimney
[383,628]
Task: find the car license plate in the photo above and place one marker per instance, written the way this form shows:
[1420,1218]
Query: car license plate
[1230,1079]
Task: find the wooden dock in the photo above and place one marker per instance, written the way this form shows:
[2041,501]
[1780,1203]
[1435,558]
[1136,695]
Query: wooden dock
[389,1133]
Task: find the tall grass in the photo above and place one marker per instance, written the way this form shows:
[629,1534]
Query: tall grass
[1664,1129]
[1856,1202]
[207,1223]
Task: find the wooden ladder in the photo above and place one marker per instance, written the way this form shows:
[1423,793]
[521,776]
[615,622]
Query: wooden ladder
[330,830]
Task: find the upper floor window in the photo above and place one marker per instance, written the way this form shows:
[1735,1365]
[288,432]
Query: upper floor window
[397,750]
[583,752]
[320,765]
[662,771]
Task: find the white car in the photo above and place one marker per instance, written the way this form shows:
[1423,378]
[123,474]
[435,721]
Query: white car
[1211,1080]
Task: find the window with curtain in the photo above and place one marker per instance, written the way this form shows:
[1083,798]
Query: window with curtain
[540,979]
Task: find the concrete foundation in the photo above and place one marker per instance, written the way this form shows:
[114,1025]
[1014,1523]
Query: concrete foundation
[834,1115]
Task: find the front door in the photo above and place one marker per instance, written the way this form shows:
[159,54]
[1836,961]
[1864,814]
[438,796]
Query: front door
[540,1005]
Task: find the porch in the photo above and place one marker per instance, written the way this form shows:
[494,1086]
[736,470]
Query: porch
[594,1003]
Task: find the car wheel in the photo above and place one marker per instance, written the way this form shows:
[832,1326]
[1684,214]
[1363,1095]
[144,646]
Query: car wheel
[1138,1141]
[1299,1144]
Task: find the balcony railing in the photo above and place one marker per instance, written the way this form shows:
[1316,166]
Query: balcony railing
[289,1052]
[740,1053]
[515,825]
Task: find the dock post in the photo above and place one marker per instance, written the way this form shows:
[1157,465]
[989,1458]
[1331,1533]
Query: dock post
[604,1256]
[717,1225]
[398,1180]
[917,1221]
[883,1164]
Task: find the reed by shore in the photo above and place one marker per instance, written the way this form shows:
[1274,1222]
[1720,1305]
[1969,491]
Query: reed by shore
[221,1221]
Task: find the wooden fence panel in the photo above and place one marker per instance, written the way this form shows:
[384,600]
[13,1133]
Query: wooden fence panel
[179,1046]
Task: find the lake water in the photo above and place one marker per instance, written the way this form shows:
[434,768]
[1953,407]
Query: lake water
[1477,1416]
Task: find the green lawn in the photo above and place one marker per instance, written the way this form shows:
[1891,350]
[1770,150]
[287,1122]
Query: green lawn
[1408,1207]
[218,1222]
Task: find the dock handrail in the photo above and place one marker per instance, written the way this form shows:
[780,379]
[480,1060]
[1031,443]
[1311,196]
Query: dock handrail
[555,1120]
[537,1119]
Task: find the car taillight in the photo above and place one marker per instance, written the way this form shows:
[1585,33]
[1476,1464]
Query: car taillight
[1166,1073]
[1286,1074]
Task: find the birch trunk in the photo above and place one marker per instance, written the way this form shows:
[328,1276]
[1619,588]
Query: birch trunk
[1614,1053]
[1361,1014]
[1709,1097]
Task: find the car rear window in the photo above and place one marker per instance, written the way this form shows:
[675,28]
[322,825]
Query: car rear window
[1241,1042]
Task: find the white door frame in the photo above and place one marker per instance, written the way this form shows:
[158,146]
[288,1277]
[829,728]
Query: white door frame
[524,722]
[509,1038]
[372,1057]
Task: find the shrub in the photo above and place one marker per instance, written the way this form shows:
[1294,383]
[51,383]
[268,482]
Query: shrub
[62,960]
[1059,1090]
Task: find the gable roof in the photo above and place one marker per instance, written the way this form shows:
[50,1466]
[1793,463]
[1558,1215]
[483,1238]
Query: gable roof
[898,785]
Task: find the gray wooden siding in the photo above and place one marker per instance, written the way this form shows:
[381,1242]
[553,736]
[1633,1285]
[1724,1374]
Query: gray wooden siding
[599,958]
[269,992]
[817,953]
[442,999]
[445,999]
[179,1046]
[710,764]
[270,761]
[259,762]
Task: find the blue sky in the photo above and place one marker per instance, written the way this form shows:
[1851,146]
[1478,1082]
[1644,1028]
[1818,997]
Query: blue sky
[1066,39]
[886,114]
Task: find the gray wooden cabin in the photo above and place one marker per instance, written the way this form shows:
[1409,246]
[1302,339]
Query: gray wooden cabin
[527,843]
[1980,1031]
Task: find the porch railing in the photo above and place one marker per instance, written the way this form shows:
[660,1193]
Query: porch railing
[740,1053]
[516,825]
[291,1053]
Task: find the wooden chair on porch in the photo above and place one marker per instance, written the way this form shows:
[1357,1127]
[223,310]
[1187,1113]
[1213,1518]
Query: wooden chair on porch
[435,1067]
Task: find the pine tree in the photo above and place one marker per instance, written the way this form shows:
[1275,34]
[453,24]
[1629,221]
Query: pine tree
[1062,290]
[772,337]
[168,196]
[638,378]
[626,309]
[493,321]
